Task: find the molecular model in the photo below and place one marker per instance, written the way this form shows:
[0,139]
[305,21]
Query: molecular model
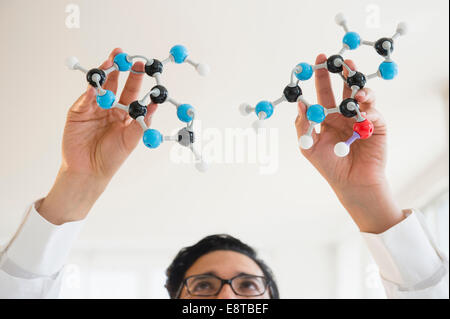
[158,94]
[316,113]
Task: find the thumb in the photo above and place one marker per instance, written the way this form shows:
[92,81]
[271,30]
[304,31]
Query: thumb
[301,122]
[85,102]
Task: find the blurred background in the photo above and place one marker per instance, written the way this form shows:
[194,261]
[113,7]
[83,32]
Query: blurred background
[155,205]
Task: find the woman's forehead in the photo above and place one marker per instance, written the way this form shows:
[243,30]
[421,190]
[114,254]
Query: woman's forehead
[224,264]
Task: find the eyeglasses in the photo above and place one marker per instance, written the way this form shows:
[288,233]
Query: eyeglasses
[209,285]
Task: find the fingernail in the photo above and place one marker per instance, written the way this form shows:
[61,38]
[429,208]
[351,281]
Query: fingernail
[361,94]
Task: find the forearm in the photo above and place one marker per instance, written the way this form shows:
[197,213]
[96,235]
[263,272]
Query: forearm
[71,197]
[373,208]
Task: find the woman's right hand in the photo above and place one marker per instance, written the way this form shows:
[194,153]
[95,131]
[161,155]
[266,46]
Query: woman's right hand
[95,144]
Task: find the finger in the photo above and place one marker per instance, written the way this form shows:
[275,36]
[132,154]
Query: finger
[323,84]
[110,61]
[377,120]
[112,80]
[301,122]
[85,102]
[366,99]
[132,86]
[151,109]
[347,90]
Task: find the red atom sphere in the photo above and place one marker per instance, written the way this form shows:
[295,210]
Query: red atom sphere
[364,129]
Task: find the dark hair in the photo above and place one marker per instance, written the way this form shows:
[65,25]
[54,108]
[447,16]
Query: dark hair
[188,255]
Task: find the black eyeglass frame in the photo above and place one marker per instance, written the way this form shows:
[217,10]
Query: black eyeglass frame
[223,282]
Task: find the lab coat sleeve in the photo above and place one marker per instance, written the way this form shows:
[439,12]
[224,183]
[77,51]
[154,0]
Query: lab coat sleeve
[31,263]
[410,263]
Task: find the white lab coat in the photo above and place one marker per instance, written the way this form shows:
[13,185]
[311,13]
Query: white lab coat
[410,264]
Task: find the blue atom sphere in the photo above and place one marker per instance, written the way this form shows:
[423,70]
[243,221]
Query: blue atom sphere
[179,53]
[182,113]
[152,138]
[316,113]
[388,70]
[352,39]
[122,62]
[266,107]
[306,73]
[106,100]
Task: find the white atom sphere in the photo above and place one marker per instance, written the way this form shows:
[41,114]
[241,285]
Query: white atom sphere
[244,109]
[257,125]
[305,142]
[202,166]
[341,149]
[71,62]
[202,69]
[340,19]
[402,28]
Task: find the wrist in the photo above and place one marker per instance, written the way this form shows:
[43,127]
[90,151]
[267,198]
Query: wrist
[71,197]
[373,207]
